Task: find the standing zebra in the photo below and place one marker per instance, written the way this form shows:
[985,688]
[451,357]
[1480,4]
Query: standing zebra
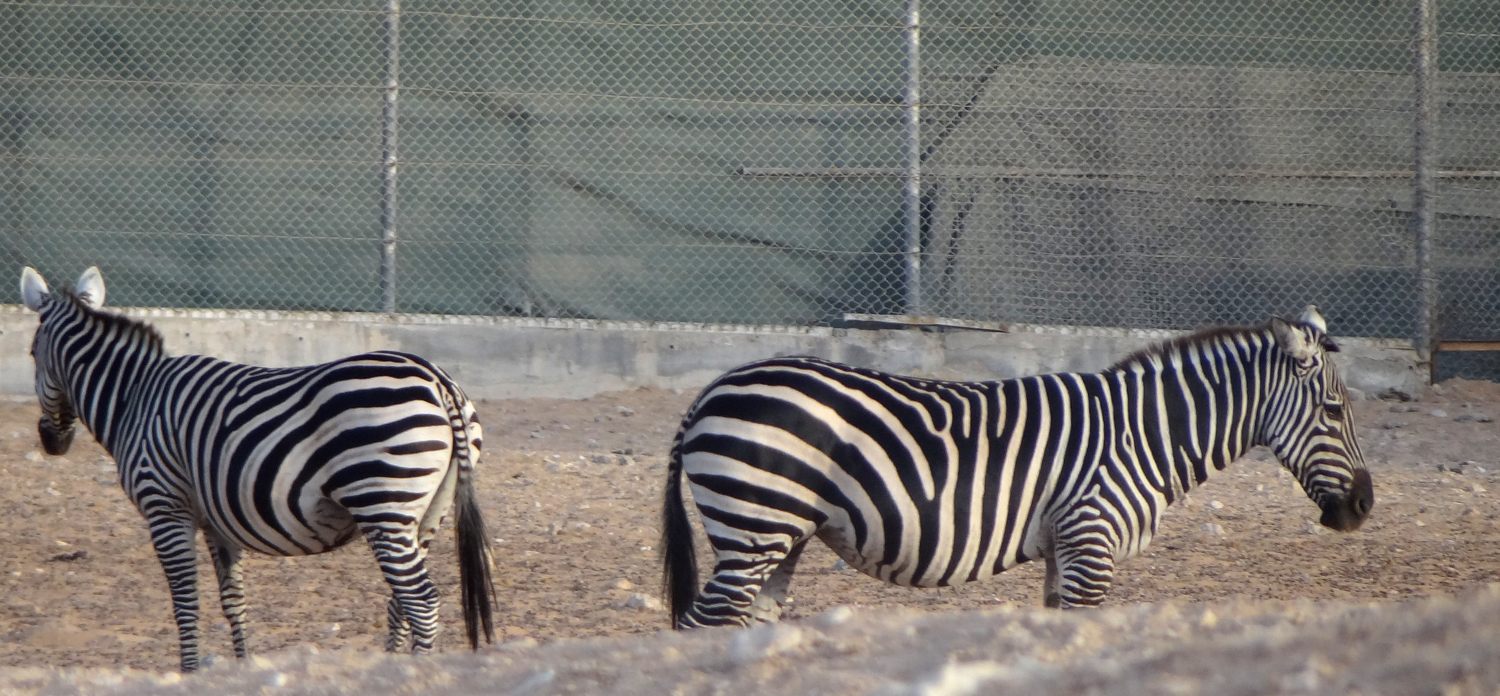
[287,462]
[928,483]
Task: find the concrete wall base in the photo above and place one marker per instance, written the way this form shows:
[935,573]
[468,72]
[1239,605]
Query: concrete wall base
[505,357]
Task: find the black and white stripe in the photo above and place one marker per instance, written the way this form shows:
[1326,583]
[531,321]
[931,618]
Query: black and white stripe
[930,483]
[287,462]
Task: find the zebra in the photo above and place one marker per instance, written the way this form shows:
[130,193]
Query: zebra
[282,461]
[929,483]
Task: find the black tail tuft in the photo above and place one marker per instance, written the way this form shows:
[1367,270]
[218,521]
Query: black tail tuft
[478,590]
[679,562]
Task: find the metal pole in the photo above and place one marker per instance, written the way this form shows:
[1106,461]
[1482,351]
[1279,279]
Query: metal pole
[1423,215]
[389,114]
[912,195]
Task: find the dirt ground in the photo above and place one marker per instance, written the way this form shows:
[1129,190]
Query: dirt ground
[571,491]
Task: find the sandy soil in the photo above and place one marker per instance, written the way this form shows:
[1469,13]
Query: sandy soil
[571,492]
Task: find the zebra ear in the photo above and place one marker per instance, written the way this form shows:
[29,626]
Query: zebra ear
[91,287]
[1312,317]
[1291,339]
[33,289]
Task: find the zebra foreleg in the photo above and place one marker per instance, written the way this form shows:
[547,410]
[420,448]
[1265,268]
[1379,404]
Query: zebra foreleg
[404,563]
[1051,593]
[226,557]
[174,537]
[1084,569]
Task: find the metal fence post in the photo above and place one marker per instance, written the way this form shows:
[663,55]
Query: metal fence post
[389,117]
[912,146]
[1423,215]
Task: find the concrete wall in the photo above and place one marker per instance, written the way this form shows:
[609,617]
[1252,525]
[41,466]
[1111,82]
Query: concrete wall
[500,358]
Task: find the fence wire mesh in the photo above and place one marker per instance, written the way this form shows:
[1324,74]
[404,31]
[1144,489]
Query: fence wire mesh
[1136,163]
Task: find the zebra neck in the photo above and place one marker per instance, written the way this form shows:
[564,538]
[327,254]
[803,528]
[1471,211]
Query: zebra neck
[1207,408]
[105,367]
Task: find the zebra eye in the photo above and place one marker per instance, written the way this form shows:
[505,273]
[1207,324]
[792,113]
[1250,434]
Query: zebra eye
[1334,411]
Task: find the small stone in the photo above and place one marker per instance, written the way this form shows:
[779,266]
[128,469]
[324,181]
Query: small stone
[641,600]
[1463,418]
[580,526]
[593,444]
[677,391]
[1477,488]
[624,410]
[839,565]
[1483,418]
[34,456]
[332,629]
[537,435]
[1420,523]
[623,584]
[1213,529]
[1438,413]
[1398,408]
[1216,505]
[623,460]
[276,680]
[79,555]
[554,529]
[1314,529]
[602,459]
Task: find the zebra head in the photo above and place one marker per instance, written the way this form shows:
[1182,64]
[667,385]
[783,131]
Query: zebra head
[1309,425]
[58,416]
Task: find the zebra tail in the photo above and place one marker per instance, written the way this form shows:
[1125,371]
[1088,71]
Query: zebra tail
[477,588]
[679,562]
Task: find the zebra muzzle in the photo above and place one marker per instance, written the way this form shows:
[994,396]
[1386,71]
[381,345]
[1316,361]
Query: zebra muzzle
[54,441]
[1347,512]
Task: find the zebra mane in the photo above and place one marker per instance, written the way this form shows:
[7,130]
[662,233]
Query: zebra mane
[1192,340]
[123,326]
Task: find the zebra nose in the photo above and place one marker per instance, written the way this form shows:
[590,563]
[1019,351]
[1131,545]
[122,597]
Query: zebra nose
[1362,493]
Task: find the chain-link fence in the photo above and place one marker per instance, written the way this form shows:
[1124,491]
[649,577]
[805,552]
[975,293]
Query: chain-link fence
[1139,163]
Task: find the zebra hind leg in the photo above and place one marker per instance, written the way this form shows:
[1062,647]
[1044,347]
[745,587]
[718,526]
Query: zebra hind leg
[771,599]
[746,566]
[400,629]
[404,563]
[226,557]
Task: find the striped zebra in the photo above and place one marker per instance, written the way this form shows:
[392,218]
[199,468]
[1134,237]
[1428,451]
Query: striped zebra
[930,483]
[286,462]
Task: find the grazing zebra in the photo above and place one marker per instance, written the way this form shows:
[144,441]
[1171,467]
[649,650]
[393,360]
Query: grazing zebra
[929,483]
[286,462]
